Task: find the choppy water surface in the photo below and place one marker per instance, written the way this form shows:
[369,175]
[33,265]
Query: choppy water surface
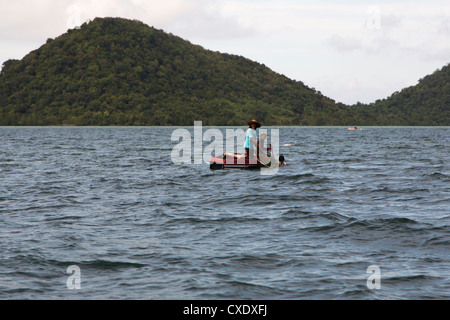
[110,201]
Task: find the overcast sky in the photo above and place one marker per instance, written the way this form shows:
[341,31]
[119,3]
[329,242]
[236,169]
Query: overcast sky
[351,50]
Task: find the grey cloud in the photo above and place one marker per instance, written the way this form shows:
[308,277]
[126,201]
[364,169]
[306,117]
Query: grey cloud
[343,44]
[390,21]
[211,25]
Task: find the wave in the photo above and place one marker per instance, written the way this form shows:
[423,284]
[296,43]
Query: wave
[217,220]
[438,176]
[108,264]
[438,240]
[357,226]
[408,278]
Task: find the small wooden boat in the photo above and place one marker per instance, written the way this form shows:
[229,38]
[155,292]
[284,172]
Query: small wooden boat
[237,161]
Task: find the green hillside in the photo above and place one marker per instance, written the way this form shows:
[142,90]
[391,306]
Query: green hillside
[120,72]
[425,104]
[115,71]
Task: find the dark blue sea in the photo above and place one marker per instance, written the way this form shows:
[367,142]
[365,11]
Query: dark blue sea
[110,201]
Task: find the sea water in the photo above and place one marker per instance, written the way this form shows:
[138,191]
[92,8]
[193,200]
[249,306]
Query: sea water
[104,213]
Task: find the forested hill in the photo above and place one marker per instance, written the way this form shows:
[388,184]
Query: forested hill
[427,103]
[115,71]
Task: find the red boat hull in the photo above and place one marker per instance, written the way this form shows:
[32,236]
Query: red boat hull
[239,162]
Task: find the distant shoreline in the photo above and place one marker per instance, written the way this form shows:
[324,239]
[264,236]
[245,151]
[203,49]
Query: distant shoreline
[218,126]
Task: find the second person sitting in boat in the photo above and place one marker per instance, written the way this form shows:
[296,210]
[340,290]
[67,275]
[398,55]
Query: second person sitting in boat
[251,142]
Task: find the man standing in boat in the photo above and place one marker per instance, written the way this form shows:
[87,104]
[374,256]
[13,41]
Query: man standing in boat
[251,142]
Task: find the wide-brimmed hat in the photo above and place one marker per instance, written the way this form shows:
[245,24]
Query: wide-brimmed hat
[255,122]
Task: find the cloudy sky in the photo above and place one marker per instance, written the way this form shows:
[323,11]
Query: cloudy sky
[350,50]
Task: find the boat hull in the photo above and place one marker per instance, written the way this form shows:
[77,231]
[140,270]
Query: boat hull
[242,163]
